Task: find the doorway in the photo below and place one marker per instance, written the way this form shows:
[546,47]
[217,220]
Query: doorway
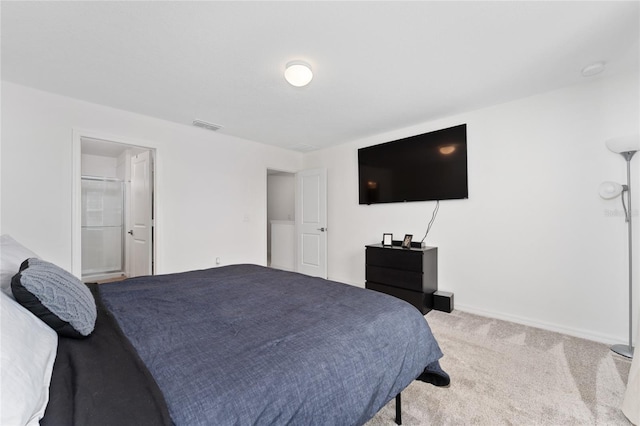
[113,225]
[297,221]
[281,241]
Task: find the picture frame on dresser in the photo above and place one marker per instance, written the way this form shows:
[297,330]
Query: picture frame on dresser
[387,240]
[406,243]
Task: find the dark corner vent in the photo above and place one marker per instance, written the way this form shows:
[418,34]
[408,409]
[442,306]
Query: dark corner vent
[205,125]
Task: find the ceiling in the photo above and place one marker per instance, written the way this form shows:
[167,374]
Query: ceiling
[378,66]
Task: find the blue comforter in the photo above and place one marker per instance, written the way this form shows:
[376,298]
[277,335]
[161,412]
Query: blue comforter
[244,344]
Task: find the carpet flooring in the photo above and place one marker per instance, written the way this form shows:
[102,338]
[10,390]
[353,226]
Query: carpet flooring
[509,374]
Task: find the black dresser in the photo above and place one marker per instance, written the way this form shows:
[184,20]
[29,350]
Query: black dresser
[409,274]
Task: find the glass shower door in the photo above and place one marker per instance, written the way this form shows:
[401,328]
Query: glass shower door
[102,226]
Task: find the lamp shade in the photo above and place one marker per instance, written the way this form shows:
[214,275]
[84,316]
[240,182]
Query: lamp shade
[609,190]
[298,73]
[630,143]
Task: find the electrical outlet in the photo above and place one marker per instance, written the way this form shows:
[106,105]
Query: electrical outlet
[218,261]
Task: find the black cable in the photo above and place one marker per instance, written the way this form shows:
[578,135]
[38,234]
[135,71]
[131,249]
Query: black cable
[433,218]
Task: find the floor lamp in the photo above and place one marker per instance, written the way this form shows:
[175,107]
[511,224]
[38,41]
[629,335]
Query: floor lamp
[626,146]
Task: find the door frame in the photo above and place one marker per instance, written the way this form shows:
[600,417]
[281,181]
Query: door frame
[76,191]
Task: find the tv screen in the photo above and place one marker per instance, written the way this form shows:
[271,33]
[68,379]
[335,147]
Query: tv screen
[430,166]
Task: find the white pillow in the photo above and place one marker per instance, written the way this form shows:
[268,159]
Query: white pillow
[27,351]
[12,254]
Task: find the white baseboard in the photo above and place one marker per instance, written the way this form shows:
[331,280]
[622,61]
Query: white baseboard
[584,334]
[284,268]
[576,332]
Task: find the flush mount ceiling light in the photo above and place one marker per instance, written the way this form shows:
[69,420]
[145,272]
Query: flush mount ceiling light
[298,73]
[593,69]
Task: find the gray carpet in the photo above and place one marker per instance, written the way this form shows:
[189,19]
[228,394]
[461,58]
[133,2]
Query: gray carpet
[504,374]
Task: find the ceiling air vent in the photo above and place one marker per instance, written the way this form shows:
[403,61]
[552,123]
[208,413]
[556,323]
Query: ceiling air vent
[303,147]
[205,125]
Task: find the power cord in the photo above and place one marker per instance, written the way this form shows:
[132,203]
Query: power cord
[625,188]
[433,218]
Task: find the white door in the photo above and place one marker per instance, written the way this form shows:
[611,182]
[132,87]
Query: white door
[141,225]
[311,222]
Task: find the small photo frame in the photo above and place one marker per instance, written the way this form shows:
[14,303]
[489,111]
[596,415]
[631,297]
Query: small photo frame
[387,240]
[406,243]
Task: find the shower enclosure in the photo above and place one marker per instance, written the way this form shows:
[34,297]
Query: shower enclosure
[102,227]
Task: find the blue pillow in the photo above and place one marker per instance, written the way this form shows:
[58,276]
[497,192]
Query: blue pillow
[55,296]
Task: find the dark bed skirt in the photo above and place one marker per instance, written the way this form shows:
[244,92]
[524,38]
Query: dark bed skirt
[101,380]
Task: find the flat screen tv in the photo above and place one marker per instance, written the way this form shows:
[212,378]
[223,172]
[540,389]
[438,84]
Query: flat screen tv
[426,167]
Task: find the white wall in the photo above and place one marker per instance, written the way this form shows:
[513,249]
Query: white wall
[281,193]
[534,242]
[99,166]
[211,198]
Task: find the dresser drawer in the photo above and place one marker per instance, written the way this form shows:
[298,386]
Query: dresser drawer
[416,298]
[394,258]
[411,280]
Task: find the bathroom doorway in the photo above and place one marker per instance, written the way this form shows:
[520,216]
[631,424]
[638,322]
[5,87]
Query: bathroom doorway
[115,210]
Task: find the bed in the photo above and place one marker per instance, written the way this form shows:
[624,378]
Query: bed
[238,345]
